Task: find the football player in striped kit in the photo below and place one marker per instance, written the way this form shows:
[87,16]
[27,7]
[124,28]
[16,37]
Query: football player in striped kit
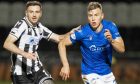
[23,41]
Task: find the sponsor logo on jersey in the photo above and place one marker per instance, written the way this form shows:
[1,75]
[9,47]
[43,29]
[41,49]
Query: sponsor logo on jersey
[95,48]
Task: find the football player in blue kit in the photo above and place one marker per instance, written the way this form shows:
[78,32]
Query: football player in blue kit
[97,40]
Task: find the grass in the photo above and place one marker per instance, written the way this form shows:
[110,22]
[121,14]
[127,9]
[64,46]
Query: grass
[5,82]
[81,82]
[69,82]
[56,82]
[77,82]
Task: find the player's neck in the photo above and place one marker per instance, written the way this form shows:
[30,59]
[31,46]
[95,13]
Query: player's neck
[99,28]
[30,24]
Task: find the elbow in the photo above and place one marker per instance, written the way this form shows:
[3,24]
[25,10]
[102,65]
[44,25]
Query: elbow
[61,44]
[6,45]
[60,38]
[122,50]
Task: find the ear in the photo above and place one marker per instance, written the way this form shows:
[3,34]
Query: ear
[26,13]
[102,15]
[41,14]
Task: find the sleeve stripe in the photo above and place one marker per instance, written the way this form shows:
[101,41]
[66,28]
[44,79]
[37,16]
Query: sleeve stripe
[13,35]
[50,36]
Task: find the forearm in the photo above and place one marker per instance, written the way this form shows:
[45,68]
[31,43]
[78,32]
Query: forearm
[70,32]
[118,46]
[57,38]
[13,48]
[62,53]
[61,37]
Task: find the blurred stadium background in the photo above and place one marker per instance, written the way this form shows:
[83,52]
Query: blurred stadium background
[60,17]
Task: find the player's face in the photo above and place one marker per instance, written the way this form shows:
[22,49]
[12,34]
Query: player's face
[95,17]
[33,13]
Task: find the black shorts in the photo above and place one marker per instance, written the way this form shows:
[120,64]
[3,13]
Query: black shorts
[35,78]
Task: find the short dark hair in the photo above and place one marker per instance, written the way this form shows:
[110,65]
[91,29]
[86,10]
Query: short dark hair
[94,5]
[33,3]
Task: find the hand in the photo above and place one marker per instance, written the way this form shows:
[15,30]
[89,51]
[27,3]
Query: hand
[75,29]
[108,35]
[64,73]
[31,56]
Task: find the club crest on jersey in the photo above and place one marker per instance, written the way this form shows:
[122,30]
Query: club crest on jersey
[73,36]
[33,41]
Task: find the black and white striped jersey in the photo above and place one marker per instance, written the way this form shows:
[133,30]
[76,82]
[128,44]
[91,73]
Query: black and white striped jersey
[28,38]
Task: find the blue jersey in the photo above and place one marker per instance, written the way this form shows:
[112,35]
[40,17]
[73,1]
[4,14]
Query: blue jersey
[95,48]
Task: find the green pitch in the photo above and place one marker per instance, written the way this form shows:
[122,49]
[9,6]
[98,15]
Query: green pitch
[77,82]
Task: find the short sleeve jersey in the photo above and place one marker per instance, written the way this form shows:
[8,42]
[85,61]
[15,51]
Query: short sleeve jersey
[28,38]
[95,48]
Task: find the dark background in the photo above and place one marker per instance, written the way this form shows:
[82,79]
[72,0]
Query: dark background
[126,15]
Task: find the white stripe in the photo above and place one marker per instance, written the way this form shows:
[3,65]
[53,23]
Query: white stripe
[36,62]
[25,39]
[18,69]
[18,65]
[29,64]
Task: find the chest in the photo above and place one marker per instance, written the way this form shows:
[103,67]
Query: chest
[93,38]
[95,42]
[31,36]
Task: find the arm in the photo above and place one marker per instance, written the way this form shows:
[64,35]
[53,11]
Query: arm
[9,45]
[56,38]
[118,43]
[65,70]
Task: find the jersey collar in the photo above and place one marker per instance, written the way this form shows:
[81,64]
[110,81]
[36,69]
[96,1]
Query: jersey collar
[29,23]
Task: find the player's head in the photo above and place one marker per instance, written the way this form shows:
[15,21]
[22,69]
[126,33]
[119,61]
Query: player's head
[95,14]
[33,11]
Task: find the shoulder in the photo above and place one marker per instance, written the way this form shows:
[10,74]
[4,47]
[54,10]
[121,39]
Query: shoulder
[44,29]
[86,28]
[109,24]
[42,26]
[83,30]
[20,24]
